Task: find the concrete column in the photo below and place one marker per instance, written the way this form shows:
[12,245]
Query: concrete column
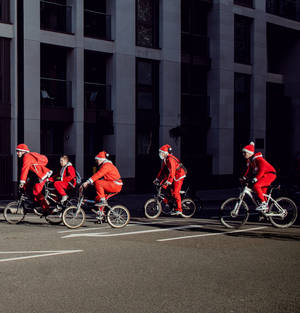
[74,135]
[221,87]
[170,74]
[259,61]
[123,87]
[32,74]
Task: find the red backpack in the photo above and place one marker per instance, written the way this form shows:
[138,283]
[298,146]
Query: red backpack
[40,158]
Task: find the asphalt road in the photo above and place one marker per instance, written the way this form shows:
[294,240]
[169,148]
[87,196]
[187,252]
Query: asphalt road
[168,265]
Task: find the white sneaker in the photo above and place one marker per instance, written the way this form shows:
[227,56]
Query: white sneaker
[263,207]
[63,199]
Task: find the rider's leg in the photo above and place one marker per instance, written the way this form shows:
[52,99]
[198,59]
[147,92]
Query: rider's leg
[61,188]
[38,196]
[261,187]
[176,187]
[102,187]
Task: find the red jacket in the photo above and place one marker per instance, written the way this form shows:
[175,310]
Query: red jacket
[109,172]
[32,162]
[67,174]
[257,167]
[171,169]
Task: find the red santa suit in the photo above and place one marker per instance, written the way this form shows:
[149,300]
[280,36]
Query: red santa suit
[36,163]
[67,179]
[107,179]
[260,171]
[172,173]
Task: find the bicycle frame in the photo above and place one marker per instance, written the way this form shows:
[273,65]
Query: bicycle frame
[249,192]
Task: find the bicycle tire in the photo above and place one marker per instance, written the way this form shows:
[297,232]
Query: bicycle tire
[226,217]
[118,216]
[291,213]
[152,208]
[14,213]
[54,218]
[73,217]
[188,207]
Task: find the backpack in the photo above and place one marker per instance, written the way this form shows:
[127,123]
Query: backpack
[41,159]
[78,177]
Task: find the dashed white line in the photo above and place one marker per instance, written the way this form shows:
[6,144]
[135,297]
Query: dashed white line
[130,233]
[212,234]
[39,255]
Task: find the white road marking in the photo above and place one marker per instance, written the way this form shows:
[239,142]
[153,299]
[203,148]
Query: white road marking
[39,255]
[130,233]
[212,234]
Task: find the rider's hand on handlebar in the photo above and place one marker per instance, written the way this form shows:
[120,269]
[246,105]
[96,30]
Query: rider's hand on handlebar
[21,185]
[156,181]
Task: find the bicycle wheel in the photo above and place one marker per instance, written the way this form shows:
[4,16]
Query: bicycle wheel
[290,213]
[166,208]
[55,218]
[118,216]
[73,217]
[188,207]
[14,212]
[152,208]
[227,216]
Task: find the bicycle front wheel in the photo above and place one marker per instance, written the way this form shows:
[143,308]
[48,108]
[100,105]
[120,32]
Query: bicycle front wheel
[188,207]
[231,218]
[152,208]
[14,212]
[73,217]
[289,214]
[54,218]
[118,216]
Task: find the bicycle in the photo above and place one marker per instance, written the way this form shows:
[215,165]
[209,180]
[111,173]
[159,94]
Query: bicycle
[156,205]
[234,212]
[15,211]
[116,216]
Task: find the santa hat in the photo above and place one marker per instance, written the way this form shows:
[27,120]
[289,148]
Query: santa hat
[22,147]
[249,148]
[101,156]
[165,149]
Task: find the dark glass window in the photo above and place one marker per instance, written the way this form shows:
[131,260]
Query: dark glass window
[245,3]
[147,23]
[147,121]
[56,16]
[4,72]
[286,8]
[242,100]
[242,39]
[97,24]
[4,11]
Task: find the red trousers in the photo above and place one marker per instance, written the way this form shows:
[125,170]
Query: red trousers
[38,196]
[61,187]
[261,186]
[104,186]
[176,187]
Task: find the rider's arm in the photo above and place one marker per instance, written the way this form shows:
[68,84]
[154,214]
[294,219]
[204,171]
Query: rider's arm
[171,163]
[104,169]
[260,164]
[25,168]
[70,174]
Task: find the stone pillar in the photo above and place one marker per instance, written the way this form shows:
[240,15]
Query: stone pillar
[221,87]
[170,71]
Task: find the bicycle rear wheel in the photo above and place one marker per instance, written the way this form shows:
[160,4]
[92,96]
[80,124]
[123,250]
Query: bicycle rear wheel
[290,213]
[54,218]
[14,212]
[73,217]
[188,207]
[227,216]
[152,208]
[118,216]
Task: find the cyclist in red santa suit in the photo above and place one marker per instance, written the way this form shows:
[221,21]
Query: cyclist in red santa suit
[171,174]
[260,172]
[106,180]
[67,178]
[35,163]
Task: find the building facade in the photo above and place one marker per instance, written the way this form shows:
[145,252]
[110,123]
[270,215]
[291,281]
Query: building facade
[127,76]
